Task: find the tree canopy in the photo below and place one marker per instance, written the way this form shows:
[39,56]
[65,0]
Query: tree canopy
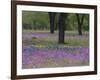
[40,20]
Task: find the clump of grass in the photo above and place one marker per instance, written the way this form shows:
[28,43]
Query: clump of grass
[76,43]
[34,38]
[43,41]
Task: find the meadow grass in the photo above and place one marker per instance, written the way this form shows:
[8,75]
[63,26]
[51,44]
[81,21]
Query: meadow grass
[69,42]
[56,31]
[41,49]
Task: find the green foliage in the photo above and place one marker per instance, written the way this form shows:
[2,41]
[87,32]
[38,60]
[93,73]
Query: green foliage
[86,23]
[40,21]
[71,22]
[35,19]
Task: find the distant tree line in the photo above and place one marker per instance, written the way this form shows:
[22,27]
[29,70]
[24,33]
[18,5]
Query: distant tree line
[41,20]
[56,21]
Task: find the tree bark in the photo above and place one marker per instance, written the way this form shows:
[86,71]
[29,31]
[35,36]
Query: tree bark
[52,21]
[80,23]
[61,28]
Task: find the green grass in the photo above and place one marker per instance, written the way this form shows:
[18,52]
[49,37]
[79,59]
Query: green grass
[56,31]
[76,43]
[53,42]
[52,39]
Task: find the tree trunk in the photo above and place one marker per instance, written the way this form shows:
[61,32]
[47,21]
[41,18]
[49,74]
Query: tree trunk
[52,21]
[61,28]
[80,23]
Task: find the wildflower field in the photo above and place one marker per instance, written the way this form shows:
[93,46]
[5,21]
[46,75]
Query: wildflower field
[40,49]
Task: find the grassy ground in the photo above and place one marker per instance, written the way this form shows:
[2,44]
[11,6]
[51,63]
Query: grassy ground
[41,49]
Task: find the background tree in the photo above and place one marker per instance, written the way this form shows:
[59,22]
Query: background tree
[80,19]
[52,21]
